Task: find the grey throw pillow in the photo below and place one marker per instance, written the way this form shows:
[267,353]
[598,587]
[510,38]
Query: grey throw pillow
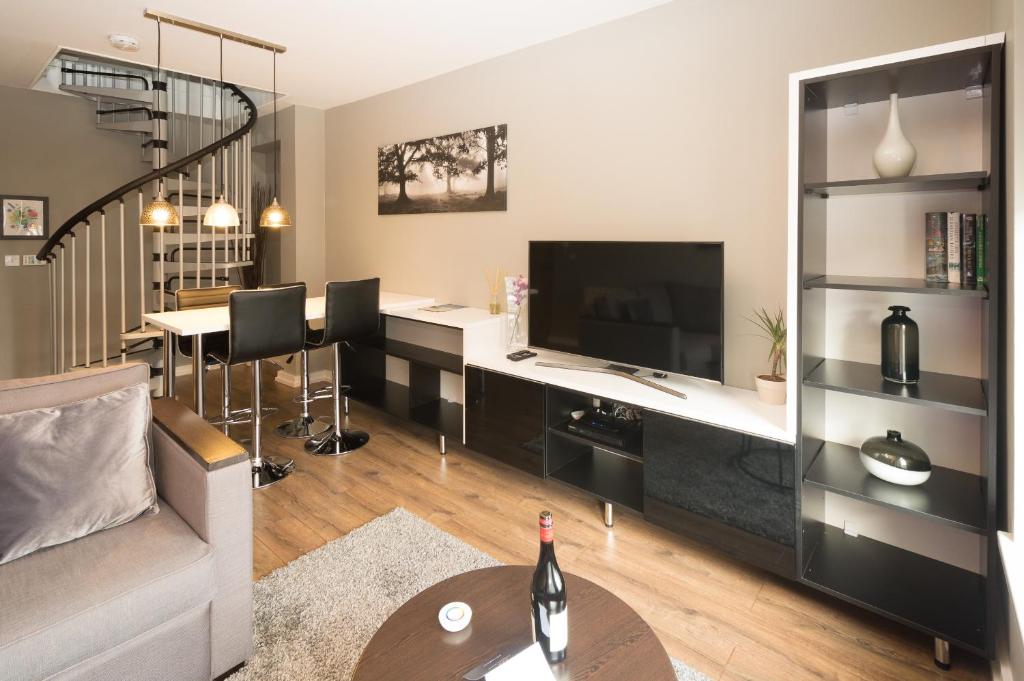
[73,469]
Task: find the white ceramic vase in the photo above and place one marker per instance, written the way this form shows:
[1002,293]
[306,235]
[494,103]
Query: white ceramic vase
[895,155]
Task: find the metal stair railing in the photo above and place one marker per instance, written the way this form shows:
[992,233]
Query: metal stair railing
[79,313]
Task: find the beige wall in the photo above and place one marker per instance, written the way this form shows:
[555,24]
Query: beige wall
[50,147]
[301,248]
[302,134]
[670,124]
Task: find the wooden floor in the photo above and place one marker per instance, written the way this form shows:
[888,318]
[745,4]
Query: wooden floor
[720,616]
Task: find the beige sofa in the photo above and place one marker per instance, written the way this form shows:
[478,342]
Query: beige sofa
[165,596]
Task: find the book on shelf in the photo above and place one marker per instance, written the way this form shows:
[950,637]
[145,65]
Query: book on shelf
[935,247]
[982,239]
[953,247]
[969,249]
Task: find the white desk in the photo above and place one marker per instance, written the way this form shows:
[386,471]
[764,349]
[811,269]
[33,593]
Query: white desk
[217,319]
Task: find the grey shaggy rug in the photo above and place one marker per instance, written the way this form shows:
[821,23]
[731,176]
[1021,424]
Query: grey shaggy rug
[315,615]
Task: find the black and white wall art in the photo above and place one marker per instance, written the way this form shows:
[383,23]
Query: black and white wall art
[461,172]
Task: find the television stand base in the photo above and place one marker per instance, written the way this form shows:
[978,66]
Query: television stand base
[631,373]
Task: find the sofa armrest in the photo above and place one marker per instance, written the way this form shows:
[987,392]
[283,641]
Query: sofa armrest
[207,479]
[210,448]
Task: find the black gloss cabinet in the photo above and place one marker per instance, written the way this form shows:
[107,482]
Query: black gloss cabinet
[723,487]
[505,418]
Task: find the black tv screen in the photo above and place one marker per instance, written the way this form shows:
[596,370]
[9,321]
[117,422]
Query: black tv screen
[656,305]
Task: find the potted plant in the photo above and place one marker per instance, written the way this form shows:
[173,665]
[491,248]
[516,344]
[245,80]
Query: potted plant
[771,387]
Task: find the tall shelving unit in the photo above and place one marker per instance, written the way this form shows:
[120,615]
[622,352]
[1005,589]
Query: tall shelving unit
[952,95]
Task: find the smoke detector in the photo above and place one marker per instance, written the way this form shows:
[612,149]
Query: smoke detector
[124,42]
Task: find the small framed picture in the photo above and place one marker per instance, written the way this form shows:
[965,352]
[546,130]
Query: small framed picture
[25,217]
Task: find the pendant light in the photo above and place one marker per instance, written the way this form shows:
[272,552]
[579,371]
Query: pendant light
[221,213]
[275,215]
[159,212]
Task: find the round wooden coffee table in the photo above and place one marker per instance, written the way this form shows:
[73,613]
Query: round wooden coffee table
[607,639]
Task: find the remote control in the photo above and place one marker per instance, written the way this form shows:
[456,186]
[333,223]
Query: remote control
[520,355]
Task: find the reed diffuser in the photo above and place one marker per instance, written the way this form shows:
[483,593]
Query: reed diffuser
[494,284]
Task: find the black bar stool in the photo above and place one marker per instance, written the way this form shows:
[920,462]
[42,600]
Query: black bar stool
[352,314]
[265,323]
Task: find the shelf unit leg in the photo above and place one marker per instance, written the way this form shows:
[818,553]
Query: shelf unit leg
[442,446]
[942,654]
[609,515]
[346,406]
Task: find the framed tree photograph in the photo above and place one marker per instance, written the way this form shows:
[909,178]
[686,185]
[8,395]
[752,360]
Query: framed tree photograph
[455,173]
[25,217]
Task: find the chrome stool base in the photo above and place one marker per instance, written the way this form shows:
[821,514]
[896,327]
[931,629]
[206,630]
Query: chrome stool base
[271,470]
[301,427]
[330,443]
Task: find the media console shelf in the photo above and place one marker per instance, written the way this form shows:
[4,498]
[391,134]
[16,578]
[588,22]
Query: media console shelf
[717,467]
[430,347]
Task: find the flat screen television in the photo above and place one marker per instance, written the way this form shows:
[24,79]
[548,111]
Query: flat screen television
[655,305]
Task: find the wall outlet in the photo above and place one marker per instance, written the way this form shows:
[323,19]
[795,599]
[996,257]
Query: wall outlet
[31,260]
[850,528]
[851,109]
[12,260]
[974,92]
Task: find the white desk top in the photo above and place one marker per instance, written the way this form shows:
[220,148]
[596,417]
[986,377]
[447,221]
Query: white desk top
[214,319]
[707,401]
[462,318]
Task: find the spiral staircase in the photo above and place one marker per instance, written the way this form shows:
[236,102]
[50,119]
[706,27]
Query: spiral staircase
[105,270]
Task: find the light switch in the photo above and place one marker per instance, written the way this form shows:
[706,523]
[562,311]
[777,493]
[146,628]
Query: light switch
[12,260]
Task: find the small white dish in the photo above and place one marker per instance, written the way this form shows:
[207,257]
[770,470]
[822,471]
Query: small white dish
[578,414]
[455,617]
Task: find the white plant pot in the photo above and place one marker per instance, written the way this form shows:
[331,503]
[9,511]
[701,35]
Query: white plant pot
[895,155]
[771,392]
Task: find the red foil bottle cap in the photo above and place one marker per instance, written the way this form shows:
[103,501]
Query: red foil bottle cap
[547,532]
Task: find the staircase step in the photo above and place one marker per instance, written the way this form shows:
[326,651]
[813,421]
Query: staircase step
[113,94]
[171,240]
[187,185]
[172,268]
[190,211]
[142,335]
[127,126]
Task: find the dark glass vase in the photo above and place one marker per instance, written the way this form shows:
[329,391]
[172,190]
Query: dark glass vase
[900,363]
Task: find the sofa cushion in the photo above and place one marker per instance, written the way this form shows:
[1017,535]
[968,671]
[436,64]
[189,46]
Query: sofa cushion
[73,469]
[66,603]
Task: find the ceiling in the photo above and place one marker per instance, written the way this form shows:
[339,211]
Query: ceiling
[339,51]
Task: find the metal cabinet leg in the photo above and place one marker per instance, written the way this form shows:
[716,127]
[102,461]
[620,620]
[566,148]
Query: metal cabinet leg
[169,351]
[441,444]
[198,374]
[609,515]
[942,660]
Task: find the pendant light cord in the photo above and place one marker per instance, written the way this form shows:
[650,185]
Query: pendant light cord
[277,146]
[159,152]
[224,179]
